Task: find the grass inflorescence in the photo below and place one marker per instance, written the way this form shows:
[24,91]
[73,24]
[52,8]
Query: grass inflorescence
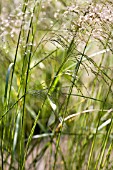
[56,85]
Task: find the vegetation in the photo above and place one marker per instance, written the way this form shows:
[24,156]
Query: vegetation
[56,84]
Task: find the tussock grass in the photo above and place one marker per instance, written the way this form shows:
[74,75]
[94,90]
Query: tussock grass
[56,85]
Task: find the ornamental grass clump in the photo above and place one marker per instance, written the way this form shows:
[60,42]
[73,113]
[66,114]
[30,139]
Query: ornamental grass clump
[56,84]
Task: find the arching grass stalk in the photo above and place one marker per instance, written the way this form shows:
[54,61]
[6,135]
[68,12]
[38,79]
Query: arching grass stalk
[50,90]
[39,112]
[17,47]
[6,88]
[94,138]
[102,152]
[11,130]
[43,59]
[12,65]
[27,66]
[106,162]
[5,109]
[11,107]
[70,92]
[102,162]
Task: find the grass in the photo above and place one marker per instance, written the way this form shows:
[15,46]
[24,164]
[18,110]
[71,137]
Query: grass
[56,91]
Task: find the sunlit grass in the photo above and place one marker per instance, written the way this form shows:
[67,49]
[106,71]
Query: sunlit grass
[56,85]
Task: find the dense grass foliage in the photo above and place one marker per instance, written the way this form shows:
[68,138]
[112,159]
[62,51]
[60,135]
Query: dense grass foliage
[56,74]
